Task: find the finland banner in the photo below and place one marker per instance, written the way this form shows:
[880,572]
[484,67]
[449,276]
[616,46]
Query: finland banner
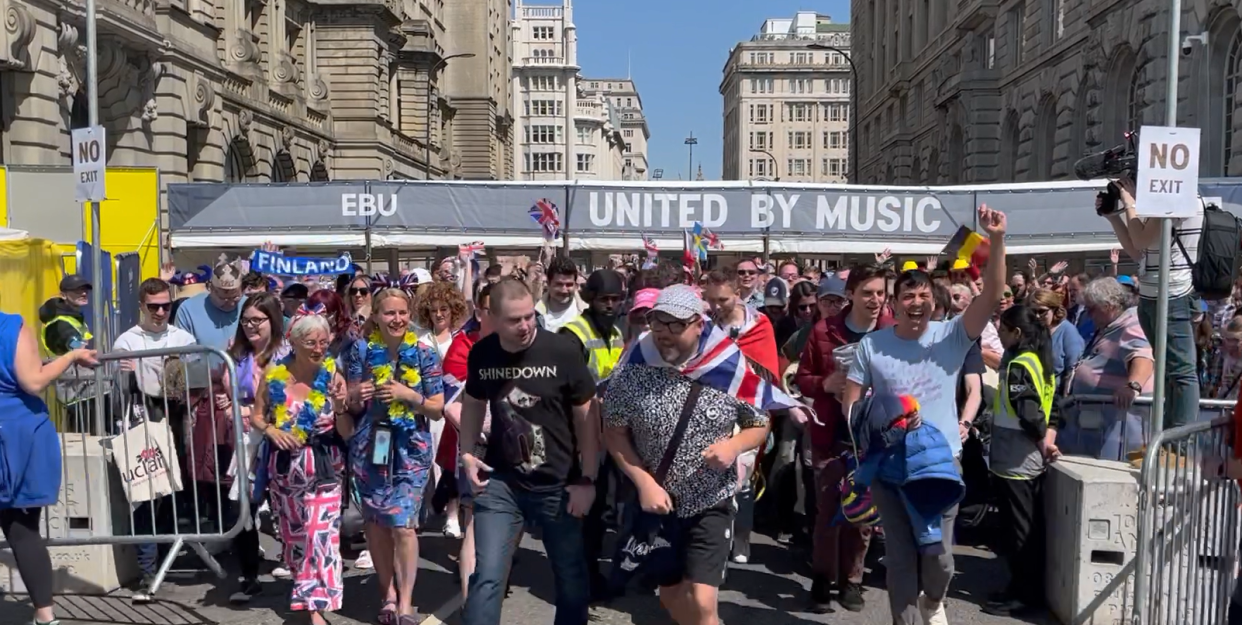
[280,265]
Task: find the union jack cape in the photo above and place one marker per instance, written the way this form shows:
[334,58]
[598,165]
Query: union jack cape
[719,364]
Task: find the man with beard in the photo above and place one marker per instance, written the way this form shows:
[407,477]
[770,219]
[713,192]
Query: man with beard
[561,303]
[597,337]
[212,316]
[838,549]
[923,359]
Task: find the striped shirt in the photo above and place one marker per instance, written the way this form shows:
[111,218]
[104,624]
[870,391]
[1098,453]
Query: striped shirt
[1186,231]
[1097,428]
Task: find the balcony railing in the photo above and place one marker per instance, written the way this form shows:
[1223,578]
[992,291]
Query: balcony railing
[543,12]
[543,60]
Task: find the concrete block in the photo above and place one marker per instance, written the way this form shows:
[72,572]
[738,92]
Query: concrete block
[92,502]
[90,569]
[1091,508]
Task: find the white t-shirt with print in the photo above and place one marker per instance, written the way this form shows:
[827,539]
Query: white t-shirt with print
[150,371]
[1186,231]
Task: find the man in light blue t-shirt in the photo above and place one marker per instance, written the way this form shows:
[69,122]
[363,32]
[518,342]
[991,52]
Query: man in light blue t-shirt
[212,316]
[923,358]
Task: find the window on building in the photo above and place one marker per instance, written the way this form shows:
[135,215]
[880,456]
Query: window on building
[759,168]
[834,140]
[799,112]
[586,163]
[989,51]
[799,139]
[543,134]
[1017,32]
[549,82]
[799,85]
[627,147]
[762,85]
[544,108]
[628,132]
[1233,79]
[541,162]
[800,58]
[760,113]
[798,167]
[543,33]
[629,102]
[584,134]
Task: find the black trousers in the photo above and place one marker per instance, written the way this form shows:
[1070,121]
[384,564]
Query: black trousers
[1021,536]
[21,529]
[612,490]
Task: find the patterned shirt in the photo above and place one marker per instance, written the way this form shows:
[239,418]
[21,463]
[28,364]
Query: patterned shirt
[1103,369]
[648,401]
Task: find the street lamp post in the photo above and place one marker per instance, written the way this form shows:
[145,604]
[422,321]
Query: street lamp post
[431,78]
[853,129]
[691,142]
[776,169]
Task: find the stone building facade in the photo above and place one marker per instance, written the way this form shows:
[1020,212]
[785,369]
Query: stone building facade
[974,91]
[241,90]
[634,131]
[787,105]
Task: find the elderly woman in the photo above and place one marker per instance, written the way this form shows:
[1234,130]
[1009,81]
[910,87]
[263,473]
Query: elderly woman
[395,384]
[299,407]
[1067,343]
[1117,363]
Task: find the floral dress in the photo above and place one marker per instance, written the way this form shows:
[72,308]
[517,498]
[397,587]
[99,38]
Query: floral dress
[392,495]
[305,492]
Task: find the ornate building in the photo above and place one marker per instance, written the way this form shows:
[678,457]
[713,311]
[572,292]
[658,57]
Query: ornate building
[969,91]
[244,90]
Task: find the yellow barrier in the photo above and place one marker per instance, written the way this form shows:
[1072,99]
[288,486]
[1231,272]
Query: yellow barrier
[29,275]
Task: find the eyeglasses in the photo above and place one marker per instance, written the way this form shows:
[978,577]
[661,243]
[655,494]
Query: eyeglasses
[167,306]
[806,307]
[315,344]
[1007,295]
[358,292]
[747,272]
[254,322]
[665,324]
[1041,311]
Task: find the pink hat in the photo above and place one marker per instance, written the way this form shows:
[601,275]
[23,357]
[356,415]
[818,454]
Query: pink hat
[644,300]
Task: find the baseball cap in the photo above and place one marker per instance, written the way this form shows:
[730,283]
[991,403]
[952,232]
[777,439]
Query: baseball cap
[296,290]
[776,293]
[1125,280]
[421,276]
[74,283]
[644,300]
[226,275]
[831,286]
[680,301]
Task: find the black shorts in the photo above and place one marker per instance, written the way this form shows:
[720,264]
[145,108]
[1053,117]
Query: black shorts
[704,542]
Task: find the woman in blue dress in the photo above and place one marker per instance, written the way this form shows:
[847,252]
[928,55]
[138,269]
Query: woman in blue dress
[29,454]
[396,391]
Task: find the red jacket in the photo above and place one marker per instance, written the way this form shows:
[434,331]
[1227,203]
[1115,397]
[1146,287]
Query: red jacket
[454,365]
[817,363]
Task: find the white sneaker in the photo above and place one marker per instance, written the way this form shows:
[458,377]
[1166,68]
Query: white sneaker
[740,559]
[932,611]
[363,562]
[452,529]
[281,572]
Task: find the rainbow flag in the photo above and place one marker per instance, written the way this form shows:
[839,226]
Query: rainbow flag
[969,246]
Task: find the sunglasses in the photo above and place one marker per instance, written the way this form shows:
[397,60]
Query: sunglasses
[806,307]
[159,307]
[1042,311]
[747,272]
[356,291]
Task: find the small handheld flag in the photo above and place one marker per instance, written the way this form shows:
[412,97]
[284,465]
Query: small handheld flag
[649,244]
[969,246]
[546,214]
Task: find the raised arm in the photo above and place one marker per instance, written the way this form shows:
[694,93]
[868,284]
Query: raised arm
[979,313]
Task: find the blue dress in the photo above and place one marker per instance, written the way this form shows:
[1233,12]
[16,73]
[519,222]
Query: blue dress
[29,447]
[392,495]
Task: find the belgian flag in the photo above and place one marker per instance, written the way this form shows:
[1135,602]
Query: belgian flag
[969,246]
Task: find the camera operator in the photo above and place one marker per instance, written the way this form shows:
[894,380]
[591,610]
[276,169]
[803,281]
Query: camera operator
[1140,238]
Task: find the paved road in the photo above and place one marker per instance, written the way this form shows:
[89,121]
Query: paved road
[771,590]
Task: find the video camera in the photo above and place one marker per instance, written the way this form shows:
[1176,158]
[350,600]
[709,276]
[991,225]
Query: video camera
[1114,163]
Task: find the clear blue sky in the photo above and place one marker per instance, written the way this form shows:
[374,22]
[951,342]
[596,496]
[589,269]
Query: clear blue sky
[677,50]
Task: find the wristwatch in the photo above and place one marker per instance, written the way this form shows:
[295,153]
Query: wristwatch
[1135,386]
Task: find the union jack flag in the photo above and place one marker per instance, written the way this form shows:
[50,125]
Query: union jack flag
[713,241]
[474,249]
[649,244]
[718,364]
[545,213]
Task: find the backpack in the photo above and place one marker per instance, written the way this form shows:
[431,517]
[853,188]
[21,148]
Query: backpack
[1216,269]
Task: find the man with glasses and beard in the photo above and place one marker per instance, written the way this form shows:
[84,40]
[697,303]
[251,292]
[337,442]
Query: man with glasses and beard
[923,358]
[748,285]
[212,317]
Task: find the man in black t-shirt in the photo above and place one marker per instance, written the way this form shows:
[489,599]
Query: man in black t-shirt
[541,458]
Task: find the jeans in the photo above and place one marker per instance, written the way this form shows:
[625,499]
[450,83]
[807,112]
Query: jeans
[838,549]
[500,513]
[1181,399]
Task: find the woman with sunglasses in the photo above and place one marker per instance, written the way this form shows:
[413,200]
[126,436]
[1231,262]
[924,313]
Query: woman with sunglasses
[357,299]
[1066,342]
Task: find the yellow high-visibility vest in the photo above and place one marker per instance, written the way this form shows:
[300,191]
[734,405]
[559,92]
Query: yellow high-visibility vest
[1005,417]
[603,354]
[77,326]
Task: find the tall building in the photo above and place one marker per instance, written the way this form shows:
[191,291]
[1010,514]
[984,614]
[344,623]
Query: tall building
[984,95]
[634,131]
[561,132]
[478,87]
[787,104]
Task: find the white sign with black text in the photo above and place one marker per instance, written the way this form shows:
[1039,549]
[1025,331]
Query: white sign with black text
[1167,182]
[90,158]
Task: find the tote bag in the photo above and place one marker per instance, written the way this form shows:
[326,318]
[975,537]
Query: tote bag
[147,460]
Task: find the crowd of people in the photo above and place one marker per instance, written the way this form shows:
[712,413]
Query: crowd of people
[647,397]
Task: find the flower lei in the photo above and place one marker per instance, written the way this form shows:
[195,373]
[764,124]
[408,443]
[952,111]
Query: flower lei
[303,423]
[382,372]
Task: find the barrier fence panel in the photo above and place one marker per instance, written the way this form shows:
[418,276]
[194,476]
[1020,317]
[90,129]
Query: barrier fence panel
[158,468]
[1187,555]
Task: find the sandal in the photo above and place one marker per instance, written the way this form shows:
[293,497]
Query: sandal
[409,619]
[388,613]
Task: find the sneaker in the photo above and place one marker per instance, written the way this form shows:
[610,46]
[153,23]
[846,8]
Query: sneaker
[452,529]
[364,562]
[1004,605]
[851,597]
[281,572]
[248,590]
[821,596]
[740,558]
[932,611]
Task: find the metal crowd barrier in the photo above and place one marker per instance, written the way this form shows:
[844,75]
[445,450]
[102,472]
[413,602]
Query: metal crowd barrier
[1188,542]
[94,507]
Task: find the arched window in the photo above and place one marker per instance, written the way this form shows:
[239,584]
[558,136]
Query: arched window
[1078,131]
[933,167]
[1010,137]
[1121,104]
[234,164]
[79,115]
[1134,102]
[278,171]
[1045,139]
[1233,78]
[957,155]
